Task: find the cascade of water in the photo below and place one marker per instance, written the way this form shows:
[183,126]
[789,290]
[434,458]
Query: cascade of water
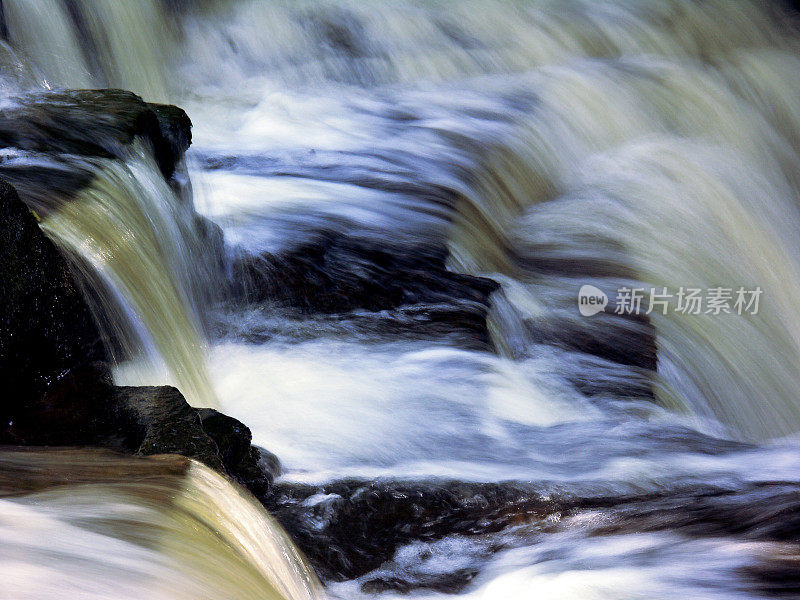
[93,44]
[133,232]
[664,193]
[96,525]
[651,144]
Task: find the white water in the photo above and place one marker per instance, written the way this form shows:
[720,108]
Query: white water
[671,129]
[629,567]
[98,525]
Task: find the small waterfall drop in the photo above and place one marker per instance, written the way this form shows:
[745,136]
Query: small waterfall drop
[81,44]
[133,232]
[93,525]
[664,195]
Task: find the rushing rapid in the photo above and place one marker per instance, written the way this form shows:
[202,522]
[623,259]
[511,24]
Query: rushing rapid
[544,145]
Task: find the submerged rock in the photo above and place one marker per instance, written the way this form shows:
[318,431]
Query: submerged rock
[335,273]
[445,583]
[348,528]
[353,529]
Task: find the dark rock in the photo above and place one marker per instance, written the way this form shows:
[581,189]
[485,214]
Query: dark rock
[213,240]
[776,575]
[768,511]
[349,528]
[269,462]
[98,123]
[85,409]
[54,138]
[171,426]
[40,180]
[335,273]
[242,460]
[554,257]
[175,125]
[231,436]
[627,340]
[76,410]
[168,424]
[448,583]
[355,526]
[46,327]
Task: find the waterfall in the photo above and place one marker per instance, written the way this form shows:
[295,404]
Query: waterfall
[87,524]
[80,44]
[679,196]
[133,233]
[603,82]
[597,92]
[413,196]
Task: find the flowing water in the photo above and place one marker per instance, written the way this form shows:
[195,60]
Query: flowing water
[96,525]
[132,232]
[547,145]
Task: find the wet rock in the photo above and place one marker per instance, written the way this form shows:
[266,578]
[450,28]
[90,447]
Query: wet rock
[348,528]
[248,464]
[46,327]
[170,426]
[79,410]
[99,123]
[269,462]
[334,273]
[626,340]
[86,409]
[175,126]
[449,583]
[167,423]
[550,262]
[768,511]
[776,575]
[460,324]
[351,528]
[213,240]
[39,179]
